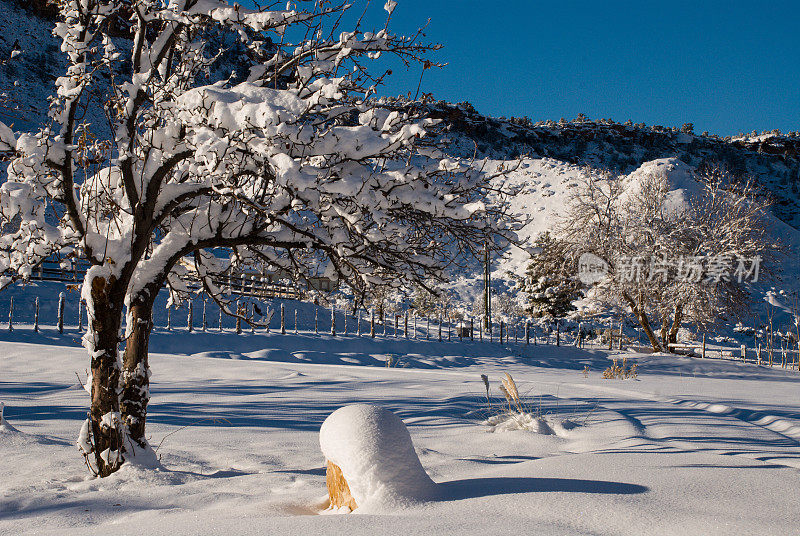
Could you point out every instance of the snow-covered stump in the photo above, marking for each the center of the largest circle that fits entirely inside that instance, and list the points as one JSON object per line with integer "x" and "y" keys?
{"x": 371, "y": 462}
{"x": 61, "y": 312}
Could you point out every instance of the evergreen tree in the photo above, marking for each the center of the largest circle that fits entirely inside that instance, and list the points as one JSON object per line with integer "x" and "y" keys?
{"x": 549, "y": 286}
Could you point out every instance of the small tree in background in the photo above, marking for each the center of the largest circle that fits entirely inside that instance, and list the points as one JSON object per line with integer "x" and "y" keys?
{"x": 549, "y": 286}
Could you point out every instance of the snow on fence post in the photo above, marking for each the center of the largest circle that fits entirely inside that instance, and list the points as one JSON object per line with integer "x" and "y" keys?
{"x": 80, "y": 315}
{"x": 238, "y": 318}
{"x": 703, "y": 354}
{"x": 372, "y": 324}
{"x": 205, "y": 323}
{"x": 190, "y": 316}
{"x": 744, "y": 353}
{"x": 61, "y": 312}
{"x": 36, "y": 312}
{"x": 333, "y": 321}
{"x": 11, "y": 315}
{"x": 283, "y": 320}
{"x": 405, "y": 328}
{"x": 169, "y": 318}
{"x": 344, "y": 326}
{"x": 220, "y": 318}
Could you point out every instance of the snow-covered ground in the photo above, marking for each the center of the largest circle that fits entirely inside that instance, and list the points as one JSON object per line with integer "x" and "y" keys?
{"x": 690, "y": 447}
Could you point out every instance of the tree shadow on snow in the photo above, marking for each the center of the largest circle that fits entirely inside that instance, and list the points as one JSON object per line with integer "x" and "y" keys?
{"x": 472, "y": 488}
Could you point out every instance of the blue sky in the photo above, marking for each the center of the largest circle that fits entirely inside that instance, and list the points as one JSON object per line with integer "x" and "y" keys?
{"x": 724, "y": 66}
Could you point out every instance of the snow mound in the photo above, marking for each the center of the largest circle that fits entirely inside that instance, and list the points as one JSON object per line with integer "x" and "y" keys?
{"x": 4, "y": 426}
{"x": 512, "y": 421}
{"x": 373, "y": 448}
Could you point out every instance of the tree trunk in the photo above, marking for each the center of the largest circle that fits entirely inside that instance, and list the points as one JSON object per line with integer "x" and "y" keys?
{"x": 104, "y": 416}
{"x": 676, "y": 324}
{"x": 136, "y": 371}
{"x": 638, "y": 310}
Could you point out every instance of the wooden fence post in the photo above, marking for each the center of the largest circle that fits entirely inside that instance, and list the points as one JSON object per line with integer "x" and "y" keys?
{"x": 61, "y": 312}
{"x": 372, "y": 323}
{"x": 283, "y": 320}
{"x": 558, "y": 333}
{"x": 744, "y": 353}
{"x": 238, "y": 318}
{"x": 405, "y": 326}
{"x": 527, "y": 333}
{"x": 190, "y": 316}
{"x": 358, "y": 323}
{"x": 11, "y": 315}
{"x": 220, "y": 318}
{"x": 703, "y": 351}
{"x": 345, "y": 321}
{"x": 428, "y": 328}
{"x": 449, "y": 329}
{"x": 36, "y": 313}
{"x": 205, "y": 323}
{"x": 169, "y": 318}
{"x": 440, "y": 328}
{"x": 80, "y": 314}
{"x": 295, "y": 321}
{"x": 395, "y": 324}
{"x": 333, "y": 321}
{"x": 480, "y": 331}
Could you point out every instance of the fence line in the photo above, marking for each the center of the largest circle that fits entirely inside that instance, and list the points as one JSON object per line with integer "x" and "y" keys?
{"x": 518, "y": 332}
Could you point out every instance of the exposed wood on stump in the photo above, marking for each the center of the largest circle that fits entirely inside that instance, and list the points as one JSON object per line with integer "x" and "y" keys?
{"x": 338, "y": 490}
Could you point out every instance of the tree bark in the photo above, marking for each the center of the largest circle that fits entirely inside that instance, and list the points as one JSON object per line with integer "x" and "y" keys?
{"x": 136, "y": 371}
{"x": 638, "y": 310}
{"x": 676, "y": 323}
{"x": 104, "y": 414}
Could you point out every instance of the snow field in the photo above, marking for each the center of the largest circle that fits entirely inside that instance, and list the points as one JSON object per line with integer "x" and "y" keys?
{"x": 238, "y": 442}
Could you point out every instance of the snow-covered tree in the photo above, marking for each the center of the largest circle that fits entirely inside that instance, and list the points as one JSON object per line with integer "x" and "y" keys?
{"x": 550, "y": 284}
{"x": 672, "y": 254}
{"x": 294, "y": 165}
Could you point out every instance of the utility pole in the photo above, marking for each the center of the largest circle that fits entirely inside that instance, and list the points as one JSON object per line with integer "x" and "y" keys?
{"x": 487, "y": 288}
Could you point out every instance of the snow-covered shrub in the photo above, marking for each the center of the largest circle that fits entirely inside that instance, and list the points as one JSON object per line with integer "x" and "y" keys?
{"x": 372, "y": 449}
